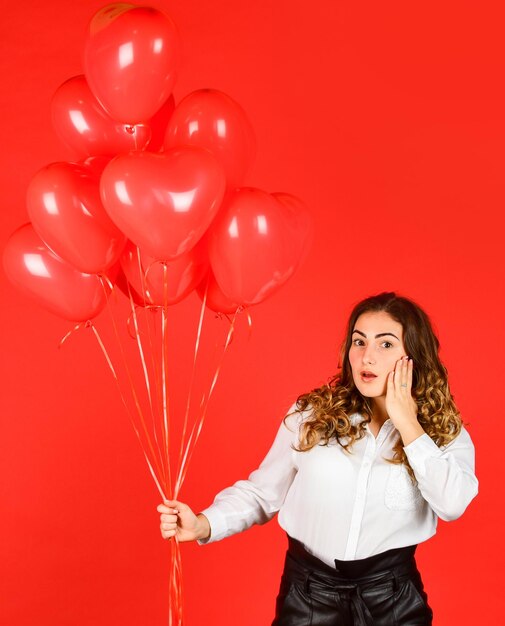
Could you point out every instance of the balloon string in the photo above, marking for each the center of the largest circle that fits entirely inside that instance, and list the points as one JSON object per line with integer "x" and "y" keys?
{"x": 101, "y": 344}
{"x": 151, "y": 265}
{"x": 107, "y": 280}
{"x": 175, "y": 585}
{"x": 134, "y": 394}
{"x": 192, "y": 380}
{"x": 171, "y": 608}
{"x": 179, "y": 586}
{"x": 129, "y": 325}
{"x": 73, "y": 330}
{"x": 175, "y": 580}
{"x": 164, "y": 368}
{"x": 147, "y": 309}
{"x": 249, "y": 324}
{"x": 89, "y": 324}
{"x": 134, "y": 133}
{"x": 145, "y": 371}
{"x": 204, "y": 404}
{"x": 153, "y": 473}
{"x": 137, "y": 402}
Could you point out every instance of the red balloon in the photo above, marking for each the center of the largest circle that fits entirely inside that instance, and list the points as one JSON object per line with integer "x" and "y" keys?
{"x": 252, "y": 249}
{"x": 211, "y": 119}
{"x": 84, "y": 126}
{"x": 216, "y": 300}
{"x": 163, "y": 202}
{"x": 64, "y": 205}
{"x": 54, "y": 284}
{"x": 148, "y": 280}
{"x": 130, "y": 60}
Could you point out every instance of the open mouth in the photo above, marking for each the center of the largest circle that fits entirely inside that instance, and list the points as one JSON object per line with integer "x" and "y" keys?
{"x": 367, "y": 376}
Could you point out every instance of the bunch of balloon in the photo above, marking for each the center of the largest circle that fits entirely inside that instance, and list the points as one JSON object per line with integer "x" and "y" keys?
{"x": 153, "y": 206}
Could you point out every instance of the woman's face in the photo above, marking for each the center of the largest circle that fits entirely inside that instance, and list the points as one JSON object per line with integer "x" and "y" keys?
{"x": 377, "y": 343}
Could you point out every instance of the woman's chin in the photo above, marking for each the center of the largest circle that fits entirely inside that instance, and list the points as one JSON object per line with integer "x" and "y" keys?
{"x": 369, "y": 394}
{"x": 369, "y": 390}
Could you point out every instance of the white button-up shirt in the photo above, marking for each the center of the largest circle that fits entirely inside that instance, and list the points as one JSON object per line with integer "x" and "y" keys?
{"x": 350, "y": 506}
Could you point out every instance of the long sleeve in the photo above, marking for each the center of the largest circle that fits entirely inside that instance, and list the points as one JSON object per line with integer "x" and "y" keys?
{"x": 446, "y": 475}
{"x": 257, "y": 499}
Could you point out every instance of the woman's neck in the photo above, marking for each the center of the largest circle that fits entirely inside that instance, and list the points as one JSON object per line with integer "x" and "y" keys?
{"x": 379, "y": 413}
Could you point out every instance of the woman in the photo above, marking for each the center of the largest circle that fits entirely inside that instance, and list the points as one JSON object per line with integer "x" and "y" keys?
{"x": 360, "y": 471}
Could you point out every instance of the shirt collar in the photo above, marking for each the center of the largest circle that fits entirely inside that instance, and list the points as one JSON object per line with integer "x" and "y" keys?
{"x": 357, "y": 418}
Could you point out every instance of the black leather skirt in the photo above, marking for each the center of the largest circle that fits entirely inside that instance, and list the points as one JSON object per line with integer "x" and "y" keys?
{"x": 382, "y": 590}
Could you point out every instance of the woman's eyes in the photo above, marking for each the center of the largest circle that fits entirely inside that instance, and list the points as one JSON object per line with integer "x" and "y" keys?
{"x": 384, "y": 344}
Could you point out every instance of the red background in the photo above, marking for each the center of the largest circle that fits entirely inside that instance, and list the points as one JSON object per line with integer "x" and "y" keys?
{"x": 387, "y": 118}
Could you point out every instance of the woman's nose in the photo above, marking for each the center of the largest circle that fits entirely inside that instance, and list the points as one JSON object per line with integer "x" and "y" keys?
{"x": 368, "y": 356}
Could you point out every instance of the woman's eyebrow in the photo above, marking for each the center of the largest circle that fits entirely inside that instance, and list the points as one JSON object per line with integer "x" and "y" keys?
{"x": 376, "y": 336}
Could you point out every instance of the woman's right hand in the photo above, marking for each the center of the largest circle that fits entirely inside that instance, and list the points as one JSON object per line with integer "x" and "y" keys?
{"x": 177, "y": 519}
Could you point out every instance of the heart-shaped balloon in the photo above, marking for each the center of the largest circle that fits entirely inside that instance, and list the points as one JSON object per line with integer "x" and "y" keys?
{"x": 64, "y": 204}
{"x": 130, "y": 60}
{"x": 163, "y": 202}
{"x": 54, "y": 284}
{"x": 83, "y": 124}
{"x": 210, "y": 119}
{"x": 155, "y": 284}
{"x": 252, "y": 247}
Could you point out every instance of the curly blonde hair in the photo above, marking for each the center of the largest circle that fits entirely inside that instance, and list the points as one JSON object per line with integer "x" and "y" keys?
{"x": 332, "y": 404}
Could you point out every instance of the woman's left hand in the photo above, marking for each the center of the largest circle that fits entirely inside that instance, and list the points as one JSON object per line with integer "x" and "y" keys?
{"x": 400, "y": 404}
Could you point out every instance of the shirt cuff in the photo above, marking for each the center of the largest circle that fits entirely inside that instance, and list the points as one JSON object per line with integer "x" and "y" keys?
{"x": 421, "y": 449}
{"x": 218, "y": 525}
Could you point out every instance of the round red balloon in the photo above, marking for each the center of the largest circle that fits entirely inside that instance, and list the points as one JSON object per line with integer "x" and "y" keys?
{"x": 211, "y": 119}
{"x": 46, "y": 278}
{"x": 153, "y": 284}
{"x": 252, "y": 247}
{"x": 64, "y": 204}
{"x": 130, "y": 60}
{"x": 163, "y": 202}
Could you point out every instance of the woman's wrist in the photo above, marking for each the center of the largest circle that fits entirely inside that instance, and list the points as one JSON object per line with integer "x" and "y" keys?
{"x": 203, "y": 527}
{"x": 410, "y": 431}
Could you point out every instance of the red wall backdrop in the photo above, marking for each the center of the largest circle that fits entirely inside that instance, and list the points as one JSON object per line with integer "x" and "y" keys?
{"x": 387, "y": 118}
